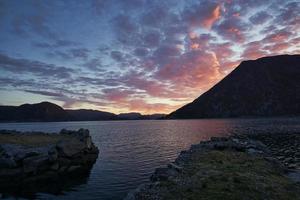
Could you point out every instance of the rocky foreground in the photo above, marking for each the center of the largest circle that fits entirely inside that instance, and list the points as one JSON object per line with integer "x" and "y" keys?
{"x": 242, "y": 167}
{"x": 35, "y": 158}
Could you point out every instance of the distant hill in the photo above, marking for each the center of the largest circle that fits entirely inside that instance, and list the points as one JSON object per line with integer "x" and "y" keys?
{"x": 139, "y": 116}
{"x": 46, "y": 111}
{"x": 268, "y": 87}
{"x": 90, "y": 115}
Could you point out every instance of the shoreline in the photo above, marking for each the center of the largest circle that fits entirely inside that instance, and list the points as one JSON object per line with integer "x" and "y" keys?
{"x": 250, "y": 166}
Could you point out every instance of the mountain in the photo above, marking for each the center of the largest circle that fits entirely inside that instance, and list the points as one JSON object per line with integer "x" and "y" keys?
{"x": 46, "y": 111}
{"x": 90, "y": 115}
{"x": 130, "y": 116}
{"x": 139, "y": 116}
{"x": 266, "y": 87}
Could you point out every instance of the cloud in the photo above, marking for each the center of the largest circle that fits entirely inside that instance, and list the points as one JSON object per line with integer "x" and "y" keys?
{"x": 18, "y": 65}
{"x": 140, "y": 105}
{"x": 232, "y": 29}
{"x": 152, "y": 38}
{"x": 117, "y": 56}
{"x": 260, "y": 17}
{"x": 196, "y": 69}
{"x": 24, "y": 25}
{"x": 203, "y": 14}
{"x": 45, "y": 93}
{"x": 278, "y": 36}
{"x": 254, "y": 50}
{"x": 79, "y": 53}
{"x": 57, "y": 44}
{"x": 141, "y": 52}
{"x": 94, "y": 64}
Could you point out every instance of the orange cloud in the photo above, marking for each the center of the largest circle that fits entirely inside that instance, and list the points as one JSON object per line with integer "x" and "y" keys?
{"x": 139, "y": 105}
{"x": 204, "y": 15}
{"x": 212, "y": 18}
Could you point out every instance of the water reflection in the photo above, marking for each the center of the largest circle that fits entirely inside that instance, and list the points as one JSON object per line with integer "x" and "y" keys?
{"x": 56, "y": 185}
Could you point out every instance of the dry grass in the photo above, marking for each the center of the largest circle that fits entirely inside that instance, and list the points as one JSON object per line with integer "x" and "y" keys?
{"x": 34, "y": 140}
{"x": 227, "y": 175}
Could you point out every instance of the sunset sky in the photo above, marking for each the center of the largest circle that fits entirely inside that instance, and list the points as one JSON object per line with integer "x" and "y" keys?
{"x": 148, "y": 56}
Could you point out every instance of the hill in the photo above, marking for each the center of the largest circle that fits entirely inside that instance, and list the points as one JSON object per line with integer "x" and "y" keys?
{"x": 269, "y": 87}
{"x": 46, "y": 111}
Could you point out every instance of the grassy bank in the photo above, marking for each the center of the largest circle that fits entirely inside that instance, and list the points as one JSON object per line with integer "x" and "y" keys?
{"x": 226, "y": 169}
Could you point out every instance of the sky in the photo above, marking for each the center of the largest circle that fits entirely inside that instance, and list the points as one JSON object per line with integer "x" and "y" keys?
{"x": 148, "y": 56}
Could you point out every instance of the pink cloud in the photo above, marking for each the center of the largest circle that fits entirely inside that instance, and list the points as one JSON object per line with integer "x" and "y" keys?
{"x": 140, "y": 105}
{"x": 204, "y": 15}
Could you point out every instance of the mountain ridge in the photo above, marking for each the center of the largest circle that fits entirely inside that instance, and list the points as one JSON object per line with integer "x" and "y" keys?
{"x": 47, "y": 111}
{"x": 251, "y": 90}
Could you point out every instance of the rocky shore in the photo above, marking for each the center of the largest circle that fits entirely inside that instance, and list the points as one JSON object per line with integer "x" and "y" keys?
{"x": 254, "y": 166}
{"x": 35, "y": 158}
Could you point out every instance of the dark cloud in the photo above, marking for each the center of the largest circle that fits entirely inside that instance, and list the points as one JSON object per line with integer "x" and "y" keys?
{"x": 73, "y": 53}
{"x": 117, "y": 56}
{"x": 93, "y": 64}
{"x": 45, "y": 93}
{"x": 124, "y": 24}
{"x": 289, "y": 14}
{"x": 260, "y": 17}
{"x": 22, "y": 25}
{"x": 18, "y": 65}
{"x": 57, "y": 44}
{"x": 152, "y": 39}
{"x": 79, "y": 53}
{"x": 141, "y": 52}
{"x": 154, "y": 17}
{"x": 232, "y": 29}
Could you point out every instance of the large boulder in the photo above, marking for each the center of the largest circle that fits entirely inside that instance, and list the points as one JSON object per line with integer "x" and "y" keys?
{"x": 20, "y": 163}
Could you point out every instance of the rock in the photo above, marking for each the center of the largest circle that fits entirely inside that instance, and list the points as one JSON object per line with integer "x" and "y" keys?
{"x": 64, "y": 161}
{"x": 52, "y": 154}
{"x": 54, "y": 166}
{"x": 89, "y": 142}
{"x": 218, "y": 139}
{"x": 7, "y": 162}
{"x": 34, "y": 163}
{"x": 70, "y": 147}
{"x": 280, "y": 157}
{"x": 176, "y": 167}
{"x": 288, "y": 160}
{"x": 21, "y": 163}
{"x": 74, "y": 168}
{"x": 292, "y": 166}
{"x": 160, "y": 174}
{"x": 7, "y": 172}
{"x": 254, "y": 151}
{"x": 63, "y": 169}
{"x": 83, "y": 133}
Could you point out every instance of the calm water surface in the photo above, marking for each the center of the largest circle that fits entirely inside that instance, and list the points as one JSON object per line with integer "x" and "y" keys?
{"x": 131, "y": 150}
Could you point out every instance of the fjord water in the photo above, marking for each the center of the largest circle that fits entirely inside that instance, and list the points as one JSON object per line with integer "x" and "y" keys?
{"x": 131, "y": 150}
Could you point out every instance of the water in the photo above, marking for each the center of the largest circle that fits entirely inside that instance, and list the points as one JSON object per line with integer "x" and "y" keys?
{"x": 131, "y": 150}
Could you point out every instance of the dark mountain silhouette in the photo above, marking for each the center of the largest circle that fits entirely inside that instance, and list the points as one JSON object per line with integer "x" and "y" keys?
{"x": 46, "y": 111}
{"x": 268, "y": 87}
{"x": 139, "y": 116}
{"x": 43, "y": 111}
{"x": 131, "y": 116}
{"x": 90, "y": 115}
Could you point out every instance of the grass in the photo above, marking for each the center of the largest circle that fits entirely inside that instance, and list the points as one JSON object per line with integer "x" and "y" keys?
{"x": 32, "y": 140}
{"x": 229, "y": 175}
